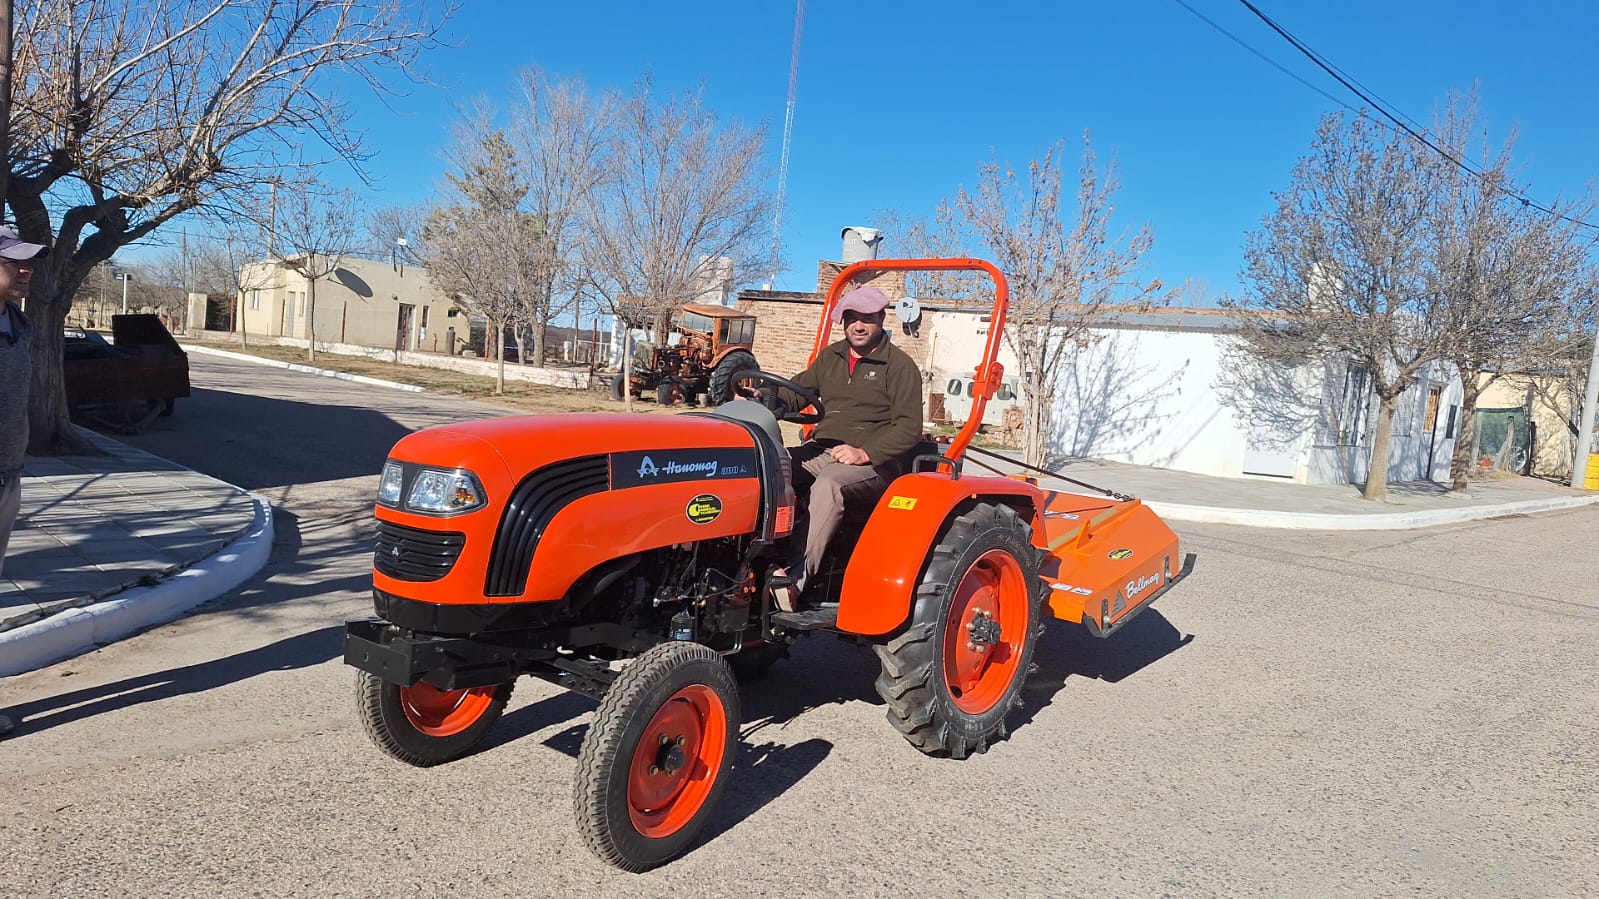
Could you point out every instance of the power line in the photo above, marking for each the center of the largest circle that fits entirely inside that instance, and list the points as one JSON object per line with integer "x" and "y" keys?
{"x": 1381, "y": 107}
{"x": 1364, "y": 93}
{"x": 1263, "y": 57}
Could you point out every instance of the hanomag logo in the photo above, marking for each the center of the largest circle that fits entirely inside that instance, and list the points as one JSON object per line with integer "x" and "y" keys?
{"x": 1119, "y": 554}
{"x": 704, "y": 509}
{"x": 648, "y": 468}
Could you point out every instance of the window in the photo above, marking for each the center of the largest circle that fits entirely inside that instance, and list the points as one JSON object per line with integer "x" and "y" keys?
{"x": 255, "y": 299}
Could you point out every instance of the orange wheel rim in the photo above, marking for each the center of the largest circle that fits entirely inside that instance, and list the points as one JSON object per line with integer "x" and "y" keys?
{"x": 444, "y": 713}
{"x": 987, "y": 629}
{"x": 677, "y": 761}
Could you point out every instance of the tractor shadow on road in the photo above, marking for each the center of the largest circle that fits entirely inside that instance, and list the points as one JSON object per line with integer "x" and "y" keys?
{"x": 299, "y": 651}
{"x": 1067, "y": 650}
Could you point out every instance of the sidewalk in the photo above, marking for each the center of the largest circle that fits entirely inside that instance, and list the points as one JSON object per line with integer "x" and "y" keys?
{"x": 111, "y": 545}
{"x": 1280, "y": 503}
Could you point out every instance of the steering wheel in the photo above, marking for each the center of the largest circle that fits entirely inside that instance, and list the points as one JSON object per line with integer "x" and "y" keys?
{"x": 775, "y": 401}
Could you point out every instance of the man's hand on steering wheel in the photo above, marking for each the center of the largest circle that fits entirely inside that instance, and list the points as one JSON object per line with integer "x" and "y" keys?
{"x": 774, "y": 400}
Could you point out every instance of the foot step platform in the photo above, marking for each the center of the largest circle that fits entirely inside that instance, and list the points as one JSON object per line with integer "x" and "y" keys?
{"x": 807, "y": 620}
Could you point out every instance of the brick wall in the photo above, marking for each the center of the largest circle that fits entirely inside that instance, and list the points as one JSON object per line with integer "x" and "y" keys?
{"x": 785, "y": 329}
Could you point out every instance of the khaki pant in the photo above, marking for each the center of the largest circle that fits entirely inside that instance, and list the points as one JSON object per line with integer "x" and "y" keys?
{"x": 833, "y": 486}
{"x": 10, "y": 504}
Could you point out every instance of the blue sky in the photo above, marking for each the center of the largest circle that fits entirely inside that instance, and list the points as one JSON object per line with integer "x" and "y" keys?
{"x": 899, "y": 101}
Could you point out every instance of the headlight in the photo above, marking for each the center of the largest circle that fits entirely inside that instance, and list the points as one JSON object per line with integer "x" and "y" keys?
{"x": 444, "y": 492}
{"x": 389, "y": 484}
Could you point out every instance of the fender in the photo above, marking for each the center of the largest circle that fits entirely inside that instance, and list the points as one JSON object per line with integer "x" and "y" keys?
{"x": 876, "y": 597}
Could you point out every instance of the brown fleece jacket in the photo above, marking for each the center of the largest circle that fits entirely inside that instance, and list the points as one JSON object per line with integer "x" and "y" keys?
{"x": 877, "y": 408}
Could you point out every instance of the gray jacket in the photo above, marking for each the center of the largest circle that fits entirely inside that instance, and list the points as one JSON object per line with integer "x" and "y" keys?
{"x": 15, "y": 362}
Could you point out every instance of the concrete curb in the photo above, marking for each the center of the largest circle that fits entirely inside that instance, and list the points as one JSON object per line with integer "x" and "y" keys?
{"x": 1393, "y": 521}
{"x": 76, "y": 631}
{"x": 291, "y": 366}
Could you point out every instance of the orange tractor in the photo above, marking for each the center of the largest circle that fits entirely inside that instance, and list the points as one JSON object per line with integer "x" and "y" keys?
{"x": 631, "y": 561}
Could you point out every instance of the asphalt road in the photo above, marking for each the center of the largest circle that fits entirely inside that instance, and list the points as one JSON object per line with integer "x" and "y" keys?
{"x": 1309, "y": 714}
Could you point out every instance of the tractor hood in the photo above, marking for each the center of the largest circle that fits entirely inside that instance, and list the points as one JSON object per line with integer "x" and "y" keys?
{"x": 676, "y": 445}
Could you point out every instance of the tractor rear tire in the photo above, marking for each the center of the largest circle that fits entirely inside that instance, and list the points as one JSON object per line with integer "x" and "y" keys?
{"x": 618, "y": 384}
{"x": 657, "y": 756}
{"x": 955, "y": 673}
{"x": 424, "y": 726}
{"x": 721, "y": 387}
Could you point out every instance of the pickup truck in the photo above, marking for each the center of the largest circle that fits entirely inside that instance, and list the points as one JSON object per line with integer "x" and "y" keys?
{"x": 128, "y": 383}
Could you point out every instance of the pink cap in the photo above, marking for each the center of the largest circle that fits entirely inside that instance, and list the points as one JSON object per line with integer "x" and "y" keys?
{"x": 866, "y": 300}
{"x": 12, "y": 246}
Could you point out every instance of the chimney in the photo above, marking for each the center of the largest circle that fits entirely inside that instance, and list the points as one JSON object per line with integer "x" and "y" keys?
{"x": 860, "y": 243}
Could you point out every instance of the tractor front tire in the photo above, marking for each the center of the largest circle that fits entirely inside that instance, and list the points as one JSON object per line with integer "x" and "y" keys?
{"x": 424, "y": 726}
{"x": 618, "y": 384}
{"x": 657, "y": 756}
{"x": 664, "y": 394}
{"x": 721, "y": 386}
{"x": 955, "y": 673}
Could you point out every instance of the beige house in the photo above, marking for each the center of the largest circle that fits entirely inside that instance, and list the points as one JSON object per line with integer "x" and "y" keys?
{"x": 364, "y": 302}
{"x": 1543, "y": 402}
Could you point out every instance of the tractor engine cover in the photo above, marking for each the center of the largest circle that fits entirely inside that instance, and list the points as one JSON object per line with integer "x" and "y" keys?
{"x": 563, "y": 494}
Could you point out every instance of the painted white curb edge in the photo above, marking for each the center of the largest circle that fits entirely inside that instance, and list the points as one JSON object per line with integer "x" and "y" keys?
{"x": 1394, "y": 521}
{"x": 76, "y": 631}
{"x": 291, "y": 366}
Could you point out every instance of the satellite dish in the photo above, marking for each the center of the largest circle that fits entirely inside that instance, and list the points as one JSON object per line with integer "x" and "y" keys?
{"x": 909, "y": 313}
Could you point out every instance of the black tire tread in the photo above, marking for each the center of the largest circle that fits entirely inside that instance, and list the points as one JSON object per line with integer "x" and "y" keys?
{"x": 425, "y": 751}
{"x": 721, "y": 383}
{"x": 609, "y": 731}
{"x": 911, "y": 671}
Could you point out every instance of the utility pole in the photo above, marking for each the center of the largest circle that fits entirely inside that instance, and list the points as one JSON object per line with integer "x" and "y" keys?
{"x": 1590, "y": 405}
{"x": 124, "y": 277}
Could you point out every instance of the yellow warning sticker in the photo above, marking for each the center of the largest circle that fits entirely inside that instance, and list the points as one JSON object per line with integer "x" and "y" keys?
{"x": 902, "y": 502}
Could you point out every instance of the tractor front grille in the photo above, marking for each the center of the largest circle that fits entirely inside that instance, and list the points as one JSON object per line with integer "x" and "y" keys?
{"x": 412, "y": 554}
{"x": 533, "y": 504}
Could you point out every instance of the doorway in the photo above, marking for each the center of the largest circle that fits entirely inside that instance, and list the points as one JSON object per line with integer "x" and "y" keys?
{"x": 402, "y": 333}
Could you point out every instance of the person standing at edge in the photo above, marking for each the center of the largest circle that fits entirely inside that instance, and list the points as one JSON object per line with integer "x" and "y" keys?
{"x": 16, "y": 345}
{"x": 873, "y": 395}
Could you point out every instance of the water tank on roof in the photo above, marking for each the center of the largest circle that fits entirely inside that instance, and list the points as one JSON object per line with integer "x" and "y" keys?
{"x": 860, "y": 243}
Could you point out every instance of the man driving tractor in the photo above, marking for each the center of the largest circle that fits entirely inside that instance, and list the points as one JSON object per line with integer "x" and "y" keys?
{"x": 873, "y": 395}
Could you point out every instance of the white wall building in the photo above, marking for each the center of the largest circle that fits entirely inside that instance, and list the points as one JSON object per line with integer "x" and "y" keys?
{"x": 1171, "y": 389}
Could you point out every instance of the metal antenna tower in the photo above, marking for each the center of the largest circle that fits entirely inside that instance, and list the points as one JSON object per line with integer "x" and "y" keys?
{"x": 788, "y": 135}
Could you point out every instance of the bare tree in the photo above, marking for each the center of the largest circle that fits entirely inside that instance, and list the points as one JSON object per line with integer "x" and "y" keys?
{"x": 316, "y": 227}
{"x": 1337, "y": 271}
{"x": 1507, "y": 276}
{"x": 127, "y": 113}
{"x": 1064, "y": 264}
{"x": 687, "y": 191}
{"x": 560, "y": 134}
{"x": 225, "y": 264}
{"x": 393, "y": 232}
{"x": 476, "y": 242}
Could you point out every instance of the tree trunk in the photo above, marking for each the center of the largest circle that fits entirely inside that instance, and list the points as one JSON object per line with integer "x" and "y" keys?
{"x": 499, "y": 369}
{"x": 1036, "y": 401}
{"x": 1461, "y": 461}
{"x": 310, "y": 320}
{"x": 1377, "y": 475}
{"x": 627, "y": 368}
{"x": 539, "y": 338}
{"x": 49, "y": 425}
{"x": 239, "y": 321}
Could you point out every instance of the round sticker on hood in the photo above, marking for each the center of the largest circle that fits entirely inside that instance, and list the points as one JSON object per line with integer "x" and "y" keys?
{"x": 704, "y": 509}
